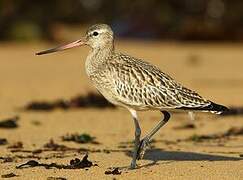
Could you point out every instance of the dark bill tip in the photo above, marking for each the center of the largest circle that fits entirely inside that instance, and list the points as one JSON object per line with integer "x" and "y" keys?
{"x": 46, "y": 51}
{"x": 63, "y": 47}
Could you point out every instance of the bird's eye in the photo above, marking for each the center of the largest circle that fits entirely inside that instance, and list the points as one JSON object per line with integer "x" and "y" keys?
{"x": 95, "y": 33}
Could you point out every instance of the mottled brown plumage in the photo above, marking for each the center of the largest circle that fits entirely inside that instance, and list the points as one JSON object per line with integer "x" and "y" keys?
{"x": 142, "y": 86}
{"x": 134, "y": 84}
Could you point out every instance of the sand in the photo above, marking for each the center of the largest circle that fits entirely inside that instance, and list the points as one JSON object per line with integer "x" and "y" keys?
{"x": 214, "y": 70}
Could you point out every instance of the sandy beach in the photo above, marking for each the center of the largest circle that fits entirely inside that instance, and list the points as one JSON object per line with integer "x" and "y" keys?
{"x": 211, "y": 147}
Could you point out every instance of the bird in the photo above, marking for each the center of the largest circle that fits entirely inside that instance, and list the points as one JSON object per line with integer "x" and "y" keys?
{"x": 134, "y": 84}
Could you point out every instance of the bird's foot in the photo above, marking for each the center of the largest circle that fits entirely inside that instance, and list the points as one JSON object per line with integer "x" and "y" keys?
{"x": 133, "y": 165}
{"x": 143, "y": 146}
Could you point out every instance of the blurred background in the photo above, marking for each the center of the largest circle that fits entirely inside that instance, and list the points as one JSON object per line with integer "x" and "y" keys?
{"x": 184, "y": 20}
{"x": 188, "y": 39}
{"x": 44, "y": 98}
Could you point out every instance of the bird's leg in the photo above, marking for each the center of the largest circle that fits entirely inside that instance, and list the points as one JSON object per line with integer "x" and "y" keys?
{"x": 144, "y": 143}
{"x": 191, "y": 116}
{"x": 137, "y": 138}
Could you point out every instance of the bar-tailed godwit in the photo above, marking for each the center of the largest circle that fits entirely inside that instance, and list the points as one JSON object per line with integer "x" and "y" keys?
{"x": 134, "y": 84}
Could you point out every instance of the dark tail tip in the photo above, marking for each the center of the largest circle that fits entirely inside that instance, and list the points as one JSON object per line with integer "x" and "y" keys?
{"x": 217, "y": 108}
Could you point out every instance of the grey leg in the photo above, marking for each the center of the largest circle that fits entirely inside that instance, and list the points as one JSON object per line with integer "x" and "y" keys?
{"x": 137, "y": 138}
{"x": 145, "y": 141}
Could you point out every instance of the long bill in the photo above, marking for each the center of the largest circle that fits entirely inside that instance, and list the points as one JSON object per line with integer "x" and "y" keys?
{"x": 73, "y": 44}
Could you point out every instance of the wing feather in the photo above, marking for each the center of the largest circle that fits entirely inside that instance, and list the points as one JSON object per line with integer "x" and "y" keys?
{"x": 138, "y": 83}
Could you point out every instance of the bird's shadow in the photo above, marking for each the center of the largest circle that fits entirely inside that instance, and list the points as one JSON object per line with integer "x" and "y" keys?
{"x": 156, "y": 155}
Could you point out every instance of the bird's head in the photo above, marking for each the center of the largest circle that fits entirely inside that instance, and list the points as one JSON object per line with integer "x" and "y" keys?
{"x": 97, "y": 36}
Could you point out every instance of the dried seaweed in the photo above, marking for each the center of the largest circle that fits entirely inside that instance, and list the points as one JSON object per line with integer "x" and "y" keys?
{"x": 17, "y": 145}
{"x": 51, "y": 145}
{"x": 80, "y": 138}
{"x": 59, "y": 149}
{"x": 7, "y": 159}
{"x": 90, "y": 100}
{"x": 9, "y": 123}
{"x": 115, "y": 171}
{"x": 73, "y": 164}
{"x": 10, "y": 175}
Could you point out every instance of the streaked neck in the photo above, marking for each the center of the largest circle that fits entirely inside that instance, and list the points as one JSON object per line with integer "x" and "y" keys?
{"x": 97, "y": 57}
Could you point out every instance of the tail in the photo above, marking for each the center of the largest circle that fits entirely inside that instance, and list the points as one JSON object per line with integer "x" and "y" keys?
{"x": 212, "y": 107}
{"x": 216, "y": 108}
